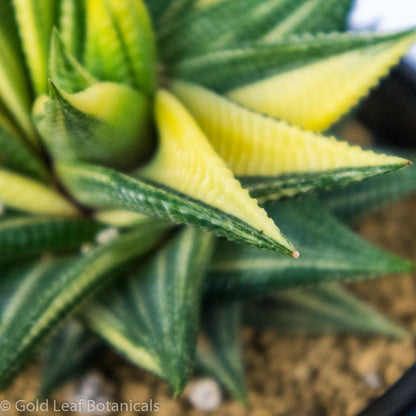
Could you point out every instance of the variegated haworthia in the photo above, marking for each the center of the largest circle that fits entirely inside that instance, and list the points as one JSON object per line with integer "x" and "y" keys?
{"x": 137, "y": 136}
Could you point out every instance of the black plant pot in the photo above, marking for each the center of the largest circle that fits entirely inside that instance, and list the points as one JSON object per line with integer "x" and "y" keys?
{"x": 390, "y": 113}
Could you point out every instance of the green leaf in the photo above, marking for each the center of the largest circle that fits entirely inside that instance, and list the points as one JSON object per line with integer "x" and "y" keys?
{"x": 318, "y": 310}
{"x": 316, "y": 16}
{"x": 231, "y": 22}
{"x": 28, "y": 195}
{"x": 22, "y": 237}
{"x": 313, "y": 74}
{"x": 371, "y": 195}
{"x": 152, "y": 316}
{"x": 72, "y": 350}
{"x": 171, "y": 11}
{"x": 65, "y": 70}
{"x": 72, "y": 26}
{"x": 17, "y": 155}
{"x": 53, "y": 288}
{"x": 329, "y": 252}
{"x": 106, "y": 123}
{"x": 219, "y": 355}
{"x": 36, "y": 19}
{"x": 103, "y": 188}
{"x": 120, "y": 45}
{"x": 14, "y": 84}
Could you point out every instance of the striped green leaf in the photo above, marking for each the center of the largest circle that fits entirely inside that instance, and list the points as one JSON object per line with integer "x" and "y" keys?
{"x": 318, "y": 310}
{"x": 72, "y": 26}
{"x": 170, "y": 11}
{"x": 219, "y": 354}
{"x": 230, "y": 22}
{"x": 319, "y": 78}
{"x": 103, "y": 188}
{"x": 65, "y": 70}
{"x": 15, "y": 90}
{"x": 69, "y": 353}
{"x": 329, "y": 252}
{"x": 152, "y": 316}
{"x": 120, "y": 45}
{"x": 36, "y": 19}
{"x": 17, "y": 155}
{"x": 28, "y": 195}
{"x": 371, "y": 195}
{"x": 53, "y": 288}
{"x": 22, "y": 237}
{"x": 266, "y": 189}
{"x": 106, "y": 123}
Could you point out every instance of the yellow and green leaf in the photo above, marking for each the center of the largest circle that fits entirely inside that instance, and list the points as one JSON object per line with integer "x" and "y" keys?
{"x": 106, "y": 123}
{"x": 15, "y": 91}
{"x": 152, "y": 317}
{"x": 103, "y": 188}
{"x": 54, "y": 288}
{"x": 119, "y": 43}
{"x": 310, "y": 81}
{"x": 26, "y": 194}
{"x": 72, "y": 26}
{"x": 36, "y": 19}
{"x": 273, "y": 158}
{"x": 186, "y": 161}
{"x": 65, "y": 70}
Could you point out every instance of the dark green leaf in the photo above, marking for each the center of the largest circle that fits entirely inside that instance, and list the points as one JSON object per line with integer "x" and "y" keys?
{"x": 372, "y": 194}
{"x": 72, "y": 350}
{"x": 53, "y": 289}
{"x": 23, "y": 237}
{"x": 318, "y": 310}
{"x": 219, "y": 355}
{"x": 329, "y": 252}
{"x": 152, "y": 317}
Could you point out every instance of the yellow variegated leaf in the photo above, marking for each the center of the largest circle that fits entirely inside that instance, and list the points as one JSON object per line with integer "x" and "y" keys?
{"x": 186, "y": 162}
{"x": 36, "y": 19}
{"x": 103, "y": 55}
{"x": 316, "y": 95}
{"x": 106, "y": 123}
{"x": 72, "y": 25}
{"x": 120, "y": 44}
{"x": 28, "y": 195}
{"x": 14, "y": 87}
{"x": 135, "y": 30}
{"x": 257, "y": 145}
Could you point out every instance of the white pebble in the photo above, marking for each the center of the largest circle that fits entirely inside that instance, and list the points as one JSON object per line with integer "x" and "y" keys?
{"x": 373, "y": 380}
{"x": 205, "y": 395}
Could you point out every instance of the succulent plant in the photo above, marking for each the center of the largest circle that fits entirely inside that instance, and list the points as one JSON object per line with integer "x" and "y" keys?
{"x": 150, "y": 150}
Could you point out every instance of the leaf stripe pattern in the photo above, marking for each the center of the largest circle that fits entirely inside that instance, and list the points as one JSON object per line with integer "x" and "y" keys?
{"x": 22, "y": 237}
{"x": 152, "y": 317}
{"x": 232, "y": 22}
{"x": 319, "y": 310}
{"x": 59, "y": 288}
{"x": 104, "y": 188}
{"x": 330, "y": 252}
{"x": 219, "y": 355}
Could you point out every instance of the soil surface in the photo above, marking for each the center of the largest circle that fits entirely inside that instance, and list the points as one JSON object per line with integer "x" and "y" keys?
{"x": 287, "y": 375}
